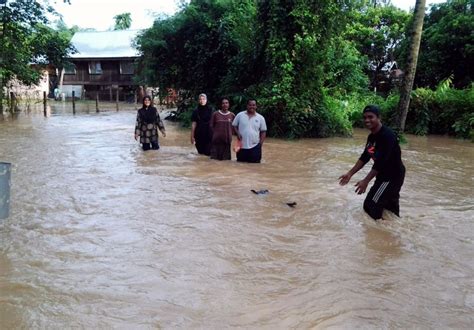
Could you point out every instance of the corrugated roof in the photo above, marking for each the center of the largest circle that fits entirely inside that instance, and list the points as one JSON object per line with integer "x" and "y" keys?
{"x": 108, "y": 44}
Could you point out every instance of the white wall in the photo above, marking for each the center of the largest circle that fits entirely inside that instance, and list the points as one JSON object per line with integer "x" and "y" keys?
{"x": 67, "y": 89}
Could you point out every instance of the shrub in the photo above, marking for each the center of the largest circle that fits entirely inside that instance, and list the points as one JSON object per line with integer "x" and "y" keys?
{"x": 355, "y": 103}
{"x": 442, "y": 111}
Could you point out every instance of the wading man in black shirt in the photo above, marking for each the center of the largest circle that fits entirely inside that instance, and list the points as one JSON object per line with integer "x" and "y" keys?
{"x": 382, "y": 146}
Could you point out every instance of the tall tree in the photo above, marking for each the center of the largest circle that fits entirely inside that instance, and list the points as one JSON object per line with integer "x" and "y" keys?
{"x": 302, "y": 54}
{"x": 415, "y": 38}
{"x": 378, "y": 32}
{"x": 26, "y": 40}
{"x": 192, "y": 49}
{"x": 447, "y": 45}
{"x": 57, "y": 45}
{"x": 122, "y": 21}
{"x": 18, "y": 19}
{"x": 288, "y": 53}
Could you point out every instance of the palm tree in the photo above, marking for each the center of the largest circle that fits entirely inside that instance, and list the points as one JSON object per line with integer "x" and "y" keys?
{"x": 410, "y": 69}
{"x": 122, "y": 21}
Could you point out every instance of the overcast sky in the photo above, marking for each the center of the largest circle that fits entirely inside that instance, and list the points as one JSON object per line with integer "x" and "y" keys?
{"x": 98, "y": 14}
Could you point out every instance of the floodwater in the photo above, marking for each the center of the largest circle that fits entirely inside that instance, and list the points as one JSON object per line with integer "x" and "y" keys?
{"x": 104, "y": 235}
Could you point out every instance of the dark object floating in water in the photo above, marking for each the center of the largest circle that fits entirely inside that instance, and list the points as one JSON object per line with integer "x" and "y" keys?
{"x": 260, "y": 192}
{"x": 292, "y": 204}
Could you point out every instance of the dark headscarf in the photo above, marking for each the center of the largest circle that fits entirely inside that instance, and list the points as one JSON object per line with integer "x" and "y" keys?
{"x": 148, "y": 114}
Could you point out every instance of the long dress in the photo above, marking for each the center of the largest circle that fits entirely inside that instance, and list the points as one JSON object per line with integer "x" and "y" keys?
{"x": 202, "y": 134}
{"x": 221, "y": 125}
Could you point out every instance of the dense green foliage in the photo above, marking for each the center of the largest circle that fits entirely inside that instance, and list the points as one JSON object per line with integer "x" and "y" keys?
{"x": 26, "y": 39}
{"x": 445, "y": 110}
{"x": 19, "y": 19}
{"x": 378, "y": 32}
{"x": 52, "y": 45}
{"x": 442, "y": 111}
{"x": 192, "y": 50}
{"x": 305, "y": 61}
{"x": 447, "y": 46}
{"x": 289, "y": 54}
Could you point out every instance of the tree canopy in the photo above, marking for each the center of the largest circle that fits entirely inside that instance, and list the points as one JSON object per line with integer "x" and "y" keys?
{"x": 378, "y": 32}
{"x": 286, "y": 52}
{"x": 122, "y": 21}
{"x": 447, "y": 45}
{"x": 26, "y": 39}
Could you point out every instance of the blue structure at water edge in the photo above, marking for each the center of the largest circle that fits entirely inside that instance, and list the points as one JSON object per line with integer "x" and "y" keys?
{"x": 5, "y": 182}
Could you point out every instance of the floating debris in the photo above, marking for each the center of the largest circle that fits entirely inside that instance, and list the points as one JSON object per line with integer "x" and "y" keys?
{"x": 260, "y": 192}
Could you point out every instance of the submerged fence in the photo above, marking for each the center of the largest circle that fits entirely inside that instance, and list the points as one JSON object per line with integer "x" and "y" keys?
{"x": 96, "y": 102}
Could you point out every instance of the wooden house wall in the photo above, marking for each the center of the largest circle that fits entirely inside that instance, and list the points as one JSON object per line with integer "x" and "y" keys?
{"x": 110, "y": 74}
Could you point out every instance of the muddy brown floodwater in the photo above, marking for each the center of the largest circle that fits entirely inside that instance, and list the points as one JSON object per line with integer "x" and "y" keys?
{"x": 103, "y": 235}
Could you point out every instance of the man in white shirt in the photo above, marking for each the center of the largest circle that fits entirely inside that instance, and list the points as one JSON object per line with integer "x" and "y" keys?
{"x": 251, "y": 131}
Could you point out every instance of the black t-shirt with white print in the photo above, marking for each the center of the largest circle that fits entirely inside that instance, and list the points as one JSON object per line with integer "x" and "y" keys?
{"x": 385, "y": 151}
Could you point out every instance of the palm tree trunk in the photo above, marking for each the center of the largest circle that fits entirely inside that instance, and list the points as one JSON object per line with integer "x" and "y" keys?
{"x": 410, "y": 69}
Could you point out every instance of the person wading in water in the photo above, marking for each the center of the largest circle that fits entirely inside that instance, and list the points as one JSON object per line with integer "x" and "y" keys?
{"x": 251, "y": 130}
{"x": 147, "y": 125}
{"x": 221, "y": 127}
{"x": 201, "y": 134}
{"x": 382, "y": 146}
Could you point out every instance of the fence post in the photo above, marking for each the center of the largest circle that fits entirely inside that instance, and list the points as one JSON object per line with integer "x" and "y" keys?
{"x": 45, "y": 104}
{"x": 97, "y": 102}
{"x": 12, "y": 102}
{"x": 117, "y": 98}
{"x": 5, "y": 182}
{"x": 73, "y": 102}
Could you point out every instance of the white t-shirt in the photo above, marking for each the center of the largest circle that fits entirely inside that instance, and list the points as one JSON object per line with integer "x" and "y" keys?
{"x": 249, "y": 128}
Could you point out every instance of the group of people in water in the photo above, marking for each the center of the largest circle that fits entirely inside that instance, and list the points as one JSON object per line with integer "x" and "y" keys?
{"x": 211, "y": 133}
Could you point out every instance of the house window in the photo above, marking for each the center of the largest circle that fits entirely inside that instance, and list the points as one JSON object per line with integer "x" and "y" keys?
{"x": 95, "y": 67}
{"x": 69, "y": 68}
{"x": 127, "y": 67}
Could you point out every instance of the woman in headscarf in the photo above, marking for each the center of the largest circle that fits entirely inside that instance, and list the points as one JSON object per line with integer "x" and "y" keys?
{"x": 201, "y": 134}
{"x": 147, "y": 125}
